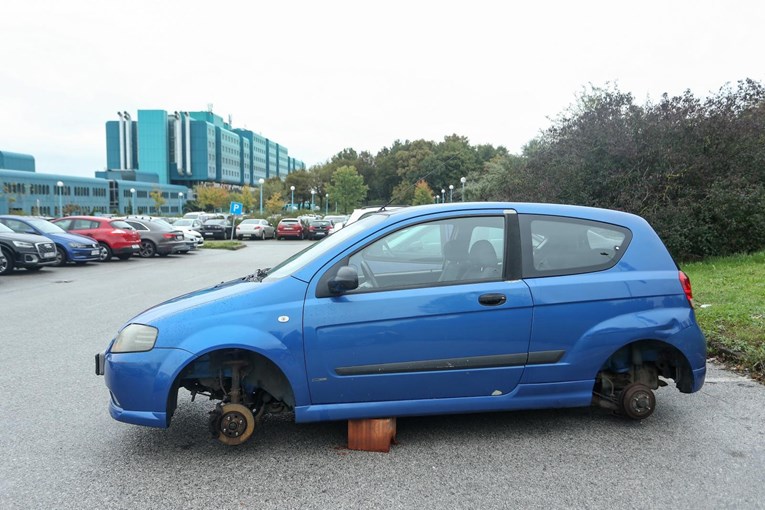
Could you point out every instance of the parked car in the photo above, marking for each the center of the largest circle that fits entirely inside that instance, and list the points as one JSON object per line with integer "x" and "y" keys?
{"x": 335, "y": 227}
{"x": 158, "y": 238}
{"x": 336, "y": 218}
{"x": 115, "y": 237}
{"x": 189, "y": 223}
{"x": 255, "y": 229}
{"x": 216, "y": 229}
{"x": 69, "y": 247}
{"x": 318, "y": 229}
{"x": 30, "y": 251}
{"x": 291, "y": 227}
{"x": 454, "y": 308}
{"x": 192, "y": 237}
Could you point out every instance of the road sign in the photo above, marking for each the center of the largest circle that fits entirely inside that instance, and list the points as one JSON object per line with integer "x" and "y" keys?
{"x": 236, "y": 208}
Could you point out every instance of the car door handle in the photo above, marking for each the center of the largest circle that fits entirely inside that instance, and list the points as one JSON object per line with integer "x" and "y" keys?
{"x": 492, "y": 299}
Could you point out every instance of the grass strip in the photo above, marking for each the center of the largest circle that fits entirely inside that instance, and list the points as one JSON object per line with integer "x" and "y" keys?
{"x": 729, "y": 293}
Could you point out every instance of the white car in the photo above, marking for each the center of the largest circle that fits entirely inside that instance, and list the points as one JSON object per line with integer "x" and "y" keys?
{"x": 255, "y": 229}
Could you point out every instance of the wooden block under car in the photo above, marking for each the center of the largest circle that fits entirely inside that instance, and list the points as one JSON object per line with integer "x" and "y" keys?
{"x": 372, "y": 435}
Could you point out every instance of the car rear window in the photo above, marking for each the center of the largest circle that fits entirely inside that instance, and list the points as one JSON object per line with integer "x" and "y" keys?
{"x": 120, "y": 224}
{"x": 555, "y": 246}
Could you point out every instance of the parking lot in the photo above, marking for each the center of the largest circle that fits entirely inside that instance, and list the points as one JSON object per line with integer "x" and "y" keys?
{"x": 61, "y": 449}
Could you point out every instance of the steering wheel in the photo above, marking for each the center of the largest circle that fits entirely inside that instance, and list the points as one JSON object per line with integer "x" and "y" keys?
{"x": 368, "y": 275}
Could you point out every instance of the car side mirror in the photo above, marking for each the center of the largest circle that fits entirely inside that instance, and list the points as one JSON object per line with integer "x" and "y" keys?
{"x": 347, "y": 278}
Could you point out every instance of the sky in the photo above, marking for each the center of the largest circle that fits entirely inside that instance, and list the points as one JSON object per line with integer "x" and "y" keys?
{"x": 321, "y": 76}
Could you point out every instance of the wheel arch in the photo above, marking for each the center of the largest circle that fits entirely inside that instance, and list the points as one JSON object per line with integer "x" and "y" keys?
{"x": 267, "y": 373}
{"x": 670, "y": 361}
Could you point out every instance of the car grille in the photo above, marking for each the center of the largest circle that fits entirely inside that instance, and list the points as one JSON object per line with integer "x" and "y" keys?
{"x": 43, "y": 248}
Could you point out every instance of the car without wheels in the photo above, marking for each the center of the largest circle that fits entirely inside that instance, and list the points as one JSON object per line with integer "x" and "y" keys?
{"x": 436, "y": 309}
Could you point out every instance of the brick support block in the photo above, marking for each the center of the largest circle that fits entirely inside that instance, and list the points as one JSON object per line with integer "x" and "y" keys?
{"x": 372, "y": 435}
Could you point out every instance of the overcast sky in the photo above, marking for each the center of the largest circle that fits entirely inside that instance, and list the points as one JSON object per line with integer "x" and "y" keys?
{"x": 320, "y": 76}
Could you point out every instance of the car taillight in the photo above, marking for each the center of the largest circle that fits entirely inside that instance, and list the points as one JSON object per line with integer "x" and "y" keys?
{"x": 168, "y": 236}
{"x": 686, "y": 284}
{"x": 312, "y": 228}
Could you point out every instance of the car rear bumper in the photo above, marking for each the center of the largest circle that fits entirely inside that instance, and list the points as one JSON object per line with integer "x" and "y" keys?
{"x": 125, "y": 249}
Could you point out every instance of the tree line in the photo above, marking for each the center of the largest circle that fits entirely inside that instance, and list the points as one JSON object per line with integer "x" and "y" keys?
{"x": 693, "y": 167}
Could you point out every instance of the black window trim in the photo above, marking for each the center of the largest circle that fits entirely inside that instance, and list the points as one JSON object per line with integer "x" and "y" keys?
{"x": 512, "y": 245}
{"x": 527, "y": 257}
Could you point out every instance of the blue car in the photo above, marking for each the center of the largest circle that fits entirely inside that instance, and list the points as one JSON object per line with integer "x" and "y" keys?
{"x": 69, "y": 247}
{"x": 450, "y": 308}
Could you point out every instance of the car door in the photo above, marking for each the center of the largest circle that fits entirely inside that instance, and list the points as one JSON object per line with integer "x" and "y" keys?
{"x": 416, "y": 331}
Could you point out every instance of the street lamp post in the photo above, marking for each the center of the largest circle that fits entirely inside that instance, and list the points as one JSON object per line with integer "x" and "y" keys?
{"x": 180, "y": 203}
{"x": 443, "y": 195}
{"x": 261, "y": 181}
{"x": 292, "y": 198}
{"x": 451, "y": 192}
{"x": 313, "y": 192}
{"x": 463, "y": 181}
{"x": 326, "y": 204}
{"x": 60, "y": 186}
{"x": 132, "y": 201}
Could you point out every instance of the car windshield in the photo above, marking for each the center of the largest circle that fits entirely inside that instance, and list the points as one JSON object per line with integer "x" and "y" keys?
{"x": 183, "y": 223}
{"x": 247, "y": 222}
{"x": 319, "y": 223}
{"x": 215, "y": 222}
{"x": 302, "y": 258}
{"x": 46, "y": 227}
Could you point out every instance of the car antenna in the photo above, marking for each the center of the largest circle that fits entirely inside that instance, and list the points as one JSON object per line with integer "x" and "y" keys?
{"x": 381, "y": 209}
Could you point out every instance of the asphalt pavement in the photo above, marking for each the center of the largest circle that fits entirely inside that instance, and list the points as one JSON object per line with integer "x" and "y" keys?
{"x": 61, "y": 449}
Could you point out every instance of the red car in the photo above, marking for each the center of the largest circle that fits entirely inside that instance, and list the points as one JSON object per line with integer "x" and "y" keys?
{"x": 291, "y": 227}
{"x": 115, "y": 237}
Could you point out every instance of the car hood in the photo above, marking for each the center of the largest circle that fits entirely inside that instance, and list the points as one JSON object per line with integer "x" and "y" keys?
{"x": 29, "y": 238}
{"x": 71, "y": 238}
{"x": 232, "y": 302}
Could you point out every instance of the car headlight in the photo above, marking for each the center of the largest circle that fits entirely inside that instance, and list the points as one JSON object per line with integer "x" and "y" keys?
{"x": 23, "y": 244}
{"x": 80, "y": 245}
{"x": 135, "y": 338}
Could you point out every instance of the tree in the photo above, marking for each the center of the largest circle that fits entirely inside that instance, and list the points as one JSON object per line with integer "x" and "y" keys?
{"x": 274, "y": 203}
{"x": 159, "y": 200}
{"x": 422, "y": 193}
{"x": 347, "y": 188}
{"x": 245, "y": 197}
{"x": 212, "y": 197}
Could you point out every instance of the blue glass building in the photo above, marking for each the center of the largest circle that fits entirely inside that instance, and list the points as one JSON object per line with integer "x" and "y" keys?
{"x": 189, "y": 148}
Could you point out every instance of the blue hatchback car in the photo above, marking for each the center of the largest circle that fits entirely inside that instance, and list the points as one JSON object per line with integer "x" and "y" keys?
{"x": 69, "y": 247}
{"x": 452, "y": 308}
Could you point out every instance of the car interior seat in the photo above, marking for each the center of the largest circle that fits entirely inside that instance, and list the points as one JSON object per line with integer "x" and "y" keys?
{"x": 482, "y": 262}
{"x": 455, "y": 262}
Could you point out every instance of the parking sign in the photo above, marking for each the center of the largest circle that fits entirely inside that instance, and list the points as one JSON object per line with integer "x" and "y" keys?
{"x": 236, "y": 208}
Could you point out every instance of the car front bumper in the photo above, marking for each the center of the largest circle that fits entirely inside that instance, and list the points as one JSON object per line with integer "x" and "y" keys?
{"x": 139, "y": 383}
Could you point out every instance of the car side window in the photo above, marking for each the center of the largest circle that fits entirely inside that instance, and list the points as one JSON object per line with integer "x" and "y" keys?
{"x": 65, "y": 224}
{"x": 137, "y": 226}
{"x": 560, "y": 246}
{"x": 443, "y": 252}
{"x": 16, "y": 226}
{"x": 83, "y": 225}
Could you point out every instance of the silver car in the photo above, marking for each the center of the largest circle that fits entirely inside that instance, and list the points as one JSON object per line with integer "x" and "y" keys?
{"x": 255, "y": 229}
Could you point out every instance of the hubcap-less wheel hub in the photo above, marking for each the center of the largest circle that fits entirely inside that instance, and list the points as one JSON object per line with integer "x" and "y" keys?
{"x": 236, "y": 424}
{"x": 638, "y": 401}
